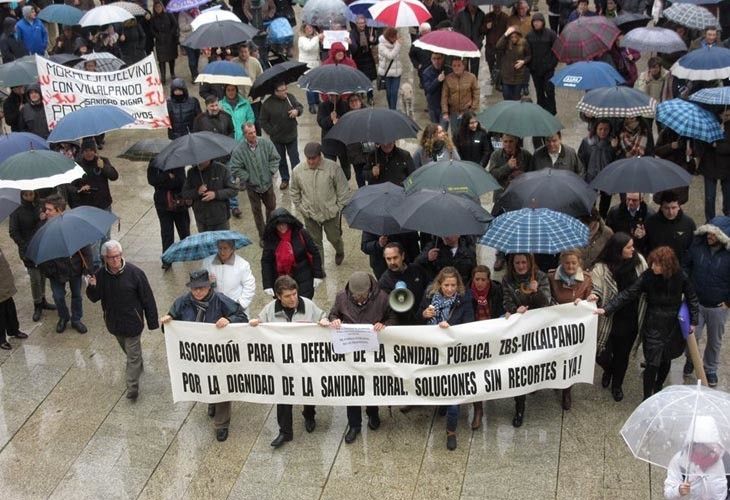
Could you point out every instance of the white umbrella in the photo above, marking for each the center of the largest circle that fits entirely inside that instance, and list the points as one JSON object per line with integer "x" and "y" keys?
{"x": 132, "y": 8}
{"x": 213, "y": 15}
{"x": 106, "y": 14}
{"x": 104, "y": 61}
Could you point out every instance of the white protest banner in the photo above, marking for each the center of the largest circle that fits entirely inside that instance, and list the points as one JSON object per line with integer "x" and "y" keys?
{"x": 553, "y": 347}
{"x": 136, "y": 89}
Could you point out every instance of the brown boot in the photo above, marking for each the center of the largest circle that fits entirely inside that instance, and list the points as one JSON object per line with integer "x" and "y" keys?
{"x": 476, "y": 422}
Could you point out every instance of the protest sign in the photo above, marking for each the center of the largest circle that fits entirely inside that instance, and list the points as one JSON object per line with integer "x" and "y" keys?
{"x": 292, "y": 363}
{"x": 351, "y": 338}
{"x": 332, "y": 36}
{"x": 137, "y": 89}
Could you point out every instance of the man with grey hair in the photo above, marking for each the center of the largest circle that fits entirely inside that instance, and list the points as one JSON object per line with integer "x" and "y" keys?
{"x": 126, "y": 297}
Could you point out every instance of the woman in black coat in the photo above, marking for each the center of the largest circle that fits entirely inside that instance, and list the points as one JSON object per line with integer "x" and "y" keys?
{"x": 362, "y": 42}
{"x": 132, "y": 42}
{"x": 665, "y": 284}
{"x": 472, "y": 141}
{"x": 165, "y": 33}
{"x": 168, "y": 187}
{"x": 289, "y": 249}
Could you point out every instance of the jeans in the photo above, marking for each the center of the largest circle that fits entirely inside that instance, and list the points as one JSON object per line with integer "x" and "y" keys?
{"x": 132, "y": 347}
{"x": 545, "y": 91}
{"x": 284, "y": 417}
{"x": 312, "y": 98}
{"x": 434, "y": 115}
{"x": 359, "y": 176}
{"x": 59, "y": 297}
{"x": 714, "y": 318}
{"x": 711, "y": 196}
{"x": 37, "y": 284}
{"x": 512, "y": 92}
{"x": 290, "y": 149}
{"x": 169, "y": 221}
{"x": 354, "y": 415}
{"x": 392, "y": 84}
{"x": 193, "y": 58}
{"x": 452, "y": 417}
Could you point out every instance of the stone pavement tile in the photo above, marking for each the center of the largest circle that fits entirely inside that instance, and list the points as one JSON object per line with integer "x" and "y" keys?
{"x": 88, "y": 481}
{"x": 373, "y": 489}
{"x": 264, "y": 491}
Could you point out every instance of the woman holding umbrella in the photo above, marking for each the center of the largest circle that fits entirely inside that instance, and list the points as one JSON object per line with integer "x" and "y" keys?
{"x": 289, "y": 249}
{"x": 635, "y": 138}
{"x": 665, "y": 286}
{"x": 435, "y": 145}
{"x": 472, "y": 141}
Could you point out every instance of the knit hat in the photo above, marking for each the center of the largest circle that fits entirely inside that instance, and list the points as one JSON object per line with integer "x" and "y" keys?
{"x": 359, "y": 283}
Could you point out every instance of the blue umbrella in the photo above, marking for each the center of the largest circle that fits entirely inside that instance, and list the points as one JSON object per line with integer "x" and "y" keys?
{"x": 689, "y": 120}
{"x": 616, "y": 102}
{"x": 224, "y": 72}
{"x": 61, "y": 14}
{"x": 69, "y": 232}
{"x": 181, "y": 5}
{"x": 587, "y": 75}
{"x": 705, "y": 63}
{"x": 9, "y": 201}
{"x": 362, "y": 8}
{"x": 719, "y": 96}
{"x": 19, "y": 142}
{"x": 535, "y": 230}
{"x": 89, "y": 121}
{"x": 202, "y": 245}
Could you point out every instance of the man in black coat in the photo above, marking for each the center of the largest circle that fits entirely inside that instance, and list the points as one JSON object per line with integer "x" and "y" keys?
{"x": 213, "y": 119}
{"x": 10, "y": 47}
{"x": 11, "y": 107}
{"x": 388, "y": 163}
{"x": 469, "y": 22}
{"x": 210, "y": 187}
{"x": 126, "y": 297}
{"x": 373, "y": 245}
{"x": 543, "y": 62}
{"x": 33, "y": 114}
{"x": 411, "y": 274}
{"x": 629, "y": 214}
{"x": 670, "y": 226}
{"x": 456, "y": 251}
{"x": 172, "y": 210}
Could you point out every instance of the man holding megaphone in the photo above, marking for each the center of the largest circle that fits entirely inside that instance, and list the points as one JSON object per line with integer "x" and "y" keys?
{"x": 404, "y": 283}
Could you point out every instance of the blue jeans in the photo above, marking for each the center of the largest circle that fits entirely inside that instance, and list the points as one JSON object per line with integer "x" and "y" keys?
{"x": 711, "y": 196}
{"x": 59, "y": 298}
{"x": 193, "y": 58}
{"x": 714, "y": 319}
{"x": 452, "y": 417}
{"x": 284, "y": 150}
{"x": 512, "y": 92}
{"x": 312, "y": 98}
{"x": 392, "y": 84}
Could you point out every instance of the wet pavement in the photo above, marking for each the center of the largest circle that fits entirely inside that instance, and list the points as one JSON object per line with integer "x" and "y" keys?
{"x": 67, "y": 430}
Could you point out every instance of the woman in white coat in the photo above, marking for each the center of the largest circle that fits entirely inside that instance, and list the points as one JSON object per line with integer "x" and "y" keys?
{"x": 389, "y": 66}
{"x": 309, "y": 50}
{"x": 232, "y": 274}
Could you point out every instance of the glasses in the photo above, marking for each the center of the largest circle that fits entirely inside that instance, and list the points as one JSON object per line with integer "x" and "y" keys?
{"x": 113, "y": 257}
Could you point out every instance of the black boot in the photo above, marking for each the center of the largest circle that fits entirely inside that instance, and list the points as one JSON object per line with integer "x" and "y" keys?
{"x": 163, "y": 73}
{"x": 37, "y": 311}
{"x": 47, "y": 305}
{"x": 519, "y": 412}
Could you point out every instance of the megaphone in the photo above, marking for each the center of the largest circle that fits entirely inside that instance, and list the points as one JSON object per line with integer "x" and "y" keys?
{"x": 401, "y": 298}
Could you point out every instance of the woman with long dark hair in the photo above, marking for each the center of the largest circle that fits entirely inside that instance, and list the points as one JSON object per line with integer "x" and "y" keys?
{"x": 472, "y": 141}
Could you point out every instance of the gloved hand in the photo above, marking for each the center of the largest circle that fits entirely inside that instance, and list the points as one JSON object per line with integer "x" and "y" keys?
{"x": 269, "y": 291}
{"x": 317, "y": 282}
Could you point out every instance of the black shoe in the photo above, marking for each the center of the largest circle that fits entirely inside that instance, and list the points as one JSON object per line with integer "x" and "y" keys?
{"x": 712, "y": 379}
{"x": 351, "y": 435}
{"x": 313, "y": 109}
{"x": 518, "y": 418}
{"x": 339, "y": 258}
{"x": 617, "y": 393}
{"x": 689, "y": 368}
{"x": 6, "y": 346}
{"x": 211, "y": 410}
{"x": 165, "y": 266}
{"x": 18, "y": 334}
{"x": 280, "y": 439}
{"x": 374, "y": 422}
{"x": 221, "y": 434}
{"x": 606, "y": 379}
{"x": 658, "y": 388}
{"x": 132, "y": 394}
{"x": 48, "y": 306}
{"x": 450, "y": 441}
{"x": 310, "y": 424}
{"x": 79, "y": 327}
{"x": 37, "y": 311}
{"x": 61, "y": 325}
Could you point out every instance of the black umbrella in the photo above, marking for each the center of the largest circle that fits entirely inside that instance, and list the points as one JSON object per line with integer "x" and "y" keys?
{"x": 335, "y": 79}
{"x": 193, "y": 149}
{"x": 145, "y": 149}
{"x": 65, "y": 59}
{"x": 266, "y": 82}
{"x": 454, "y": 176}
{"x": 627, "y": 21}
{"x": 371, "y": 208}
{"x": 442, "y": 214}
{"x": 378, "y": 125}
{"x": 641, "y": 175}
{"x": 220, "y": 34}
{"x": 559, "y": 190}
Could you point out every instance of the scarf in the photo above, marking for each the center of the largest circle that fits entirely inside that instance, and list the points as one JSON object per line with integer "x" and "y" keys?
{"x": 633, "y": 142}
{"x": 443, "y": 306}
{"x": 567, "y": 280}
{"x": 483, "y": 311}
{"x": 284, "y": 254}
{"x": 703, "y": 461}
{"x": 201, "y": 306}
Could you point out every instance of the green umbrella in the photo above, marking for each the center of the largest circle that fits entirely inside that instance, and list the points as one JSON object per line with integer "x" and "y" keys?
{"x": 453, "y": 176}
{"x": 22, "y": 71}
{"x": 521, "y": 119}
{"x": 145, "y": 149}
{"x": 38, "y": 169}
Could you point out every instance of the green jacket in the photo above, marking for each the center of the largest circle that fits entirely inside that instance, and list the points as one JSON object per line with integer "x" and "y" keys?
{"x": 319, "y": 193}
{"x": 240, "y": 113}
{"x": 255, "y": 169}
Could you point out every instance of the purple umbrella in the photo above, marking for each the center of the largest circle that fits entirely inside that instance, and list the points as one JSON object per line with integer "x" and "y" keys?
{"x": 182, "y": 5}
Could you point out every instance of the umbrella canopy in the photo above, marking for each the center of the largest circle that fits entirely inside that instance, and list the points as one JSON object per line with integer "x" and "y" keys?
{"x": 22, "y": 71}
{"x": 89, "y": 121}
{"x": 689, "y": 120}
{"x": 518, "y": 118}
{"x": 587, "y": 75}
{"x": 585, "y": 38}
{"x": 193, "y": 149}
{"x": 220, "y": 34}
{"x": 627, "y": 21}
{"x": 104, "y": 61}
{"x": 361, "y": 8}
{"x": 181, "y": 5}
{"x": 9, "y": 201}
{"x": 641, "y": 174}
{"x": 449, "y": 43}
{"x": 400, "y": 13}
{"x": 65, "y": 59}
{"x": 718, "y": 96}
{"x": 691, "y": 16}
{"x": 61, "y": 14}
{"x": 132, "y": 8}
{"x": 202, "y": 245}
{"x": 213, "y": 15}
{"x": 505, "y": 3}
{"x": 378, "y": 125}
{"x": 705, "y": 63}
{"x": 66, "y": 234}
{"x": 105, "y": 14}
{"x": 653, "y": 39}
{"x": 371, "y": 208}
{"x": 19, "y": 142}
{"x": 535, "y": 230}
{"x": 224, "y": 72}
{"x": 618, "y": 102}
{"x": 452, "y": 176}
{"x": 670, "y": 420}
{"x": 559, "y": 190}
{"x": 287, "y": 72}
{"x": 38, "y": 169}
{"x": 325, "y": 13}
{"x": 335, "y": 79}
{"x": 442, "y": 214}
{"x": 145, "y": 150}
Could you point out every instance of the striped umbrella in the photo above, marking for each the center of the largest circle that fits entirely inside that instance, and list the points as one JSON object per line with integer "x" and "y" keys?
{"x": 585, "y": 38}
{"x": 719, "y": 96}
{"x": 616, "y": 102}
{"x": 689, "y": 120}
{"x": 691, "y": 16}
{"x": 400, "y": 13}
{"x": 705, "y": 63}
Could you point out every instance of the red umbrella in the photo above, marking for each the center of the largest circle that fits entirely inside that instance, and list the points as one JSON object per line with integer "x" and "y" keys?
{"x": 585, "y": 38}
{"x": 400, "y": 13}
{"x": 449, "y": 43}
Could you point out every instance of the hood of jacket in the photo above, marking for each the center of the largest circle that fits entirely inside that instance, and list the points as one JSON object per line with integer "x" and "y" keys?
{"x": 538, "y": 16}
{"x": 720, "y": 227}
{"x": 179, "y": 83}
{"x": 277, "y": 216}
{"x": 33, "y": 86}
{"x": 9, "y": 26}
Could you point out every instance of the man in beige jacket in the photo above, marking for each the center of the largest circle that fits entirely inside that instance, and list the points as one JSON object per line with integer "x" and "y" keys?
{"x": 460, "y": 93}
{"x": 319, "y": 190}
